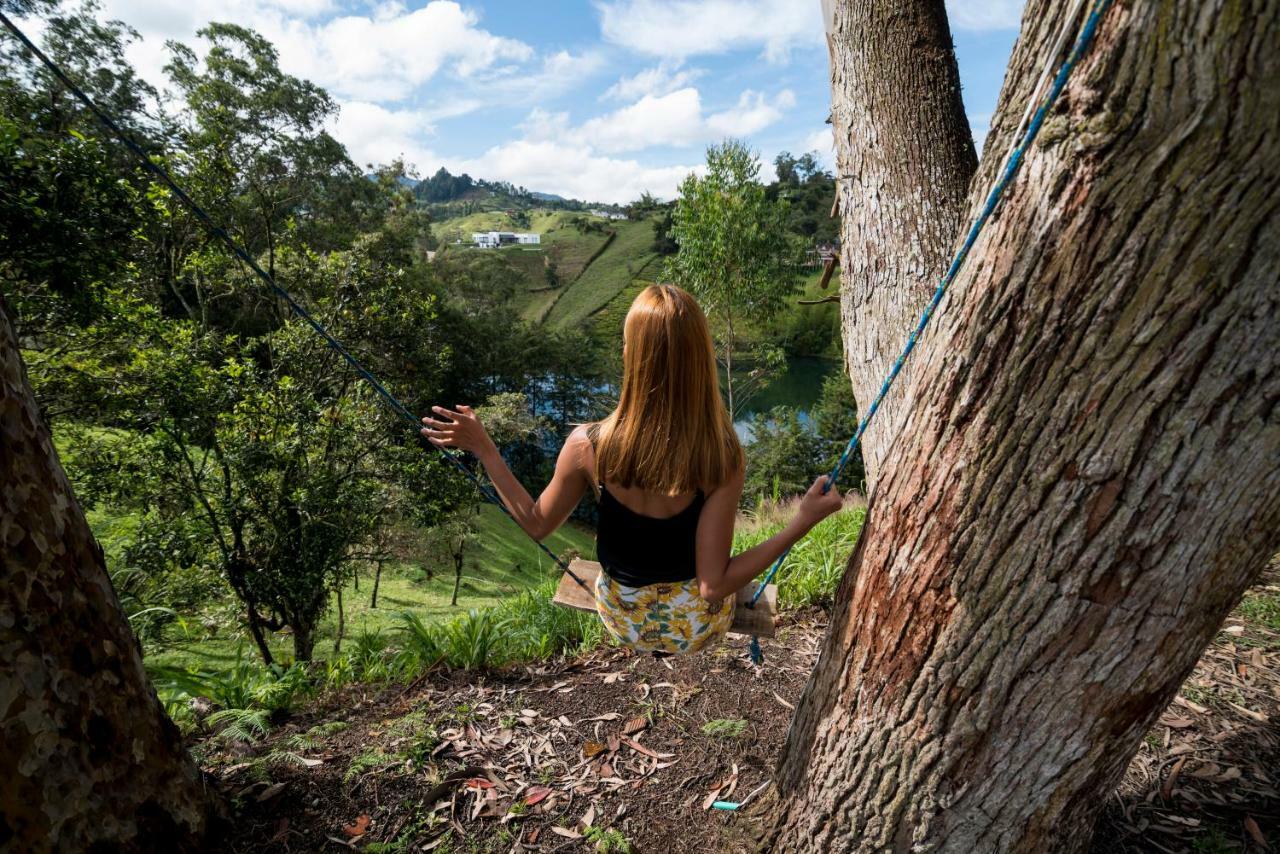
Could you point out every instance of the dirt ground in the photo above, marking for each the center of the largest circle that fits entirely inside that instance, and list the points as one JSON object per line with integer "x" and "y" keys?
{"x": 619, "y": 752}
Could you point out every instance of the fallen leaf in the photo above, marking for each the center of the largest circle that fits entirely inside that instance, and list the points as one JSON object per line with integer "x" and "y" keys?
{"x": 359, "y": 827}
{"x": 634, "y": 726}
{"x": 592, "y": 748}
{"x": 270, "y": 792}
{"x": 1234, "y": 630}
{"x": 536, "y": 795}
{"x": 1166, "y": 789}
{"x": 1176, "y": 723}
{"x": 711, "y": 798}
{"x": 566, "y": 832}
{"x": 1249, "y": 713}
{"x": 478, "y": 783}
{"x": 607, "y": 716}
{"x": 1256, "y": 832}
{"x": 778, "y": 697}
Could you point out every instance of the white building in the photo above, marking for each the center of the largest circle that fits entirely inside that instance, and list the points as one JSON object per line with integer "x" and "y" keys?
{"x": 494, "y": 239}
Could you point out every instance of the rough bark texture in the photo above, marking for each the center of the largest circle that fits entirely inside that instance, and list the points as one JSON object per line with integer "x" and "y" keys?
{"x": 1090, "y": 476}
{"x": 904, "y": 159}
{"x": 90, "y": 760}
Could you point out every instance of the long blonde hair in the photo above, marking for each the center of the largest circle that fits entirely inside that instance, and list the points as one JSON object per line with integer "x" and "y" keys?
{"x": 670, "y": 433}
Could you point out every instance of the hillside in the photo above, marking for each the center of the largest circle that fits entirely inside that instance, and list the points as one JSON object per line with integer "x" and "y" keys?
{"x": 583, "y": 264}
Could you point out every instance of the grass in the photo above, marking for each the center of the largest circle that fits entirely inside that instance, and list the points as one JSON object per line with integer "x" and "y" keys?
{"x": 725, "y": 728}
{"x": 502, "y": 563}
{"x": 628, "y": 258}
{"x": 816, "y": 563}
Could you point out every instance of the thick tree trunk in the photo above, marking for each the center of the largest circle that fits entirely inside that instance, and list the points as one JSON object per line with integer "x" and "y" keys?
{"x": 1090, "y": 476}
{"x": 904, "y": 159}
{"x": 89, "y": 759}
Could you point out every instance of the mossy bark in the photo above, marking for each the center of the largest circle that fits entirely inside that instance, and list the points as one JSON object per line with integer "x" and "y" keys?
{"x": 1089, "y": 476}
{"x": 90, "y": 761}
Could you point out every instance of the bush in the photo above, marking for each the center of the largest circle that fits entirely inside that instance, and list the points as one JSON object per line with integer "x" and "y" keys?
{"x": 525, "y": 627}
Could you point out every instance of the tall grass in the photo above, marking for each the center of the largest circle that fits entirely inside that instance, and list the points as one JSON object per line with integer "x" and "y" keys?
{"x": 525, "y": 627}
{"x": 814, "y": 568}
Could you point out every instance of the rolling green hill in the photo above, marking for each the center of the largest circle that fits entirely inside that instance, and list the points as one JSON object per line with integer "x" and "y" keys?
{"x": 627, "y": 259}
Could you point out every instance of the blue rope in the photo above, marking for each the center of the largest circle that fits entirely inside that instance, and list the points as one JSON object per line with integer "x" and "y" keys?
{"x": 217, "y": 231}
{"x": 1082, "y": 44}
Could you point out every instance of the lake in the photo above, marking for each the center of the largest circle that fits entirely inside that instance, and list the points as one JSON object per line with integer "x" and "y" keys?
{"x": 799, "y": 386}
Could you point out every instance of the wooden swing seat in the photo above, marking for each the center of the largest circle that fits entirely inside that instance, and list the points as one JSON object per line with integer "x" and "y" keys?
{"x": 746, "y": 621}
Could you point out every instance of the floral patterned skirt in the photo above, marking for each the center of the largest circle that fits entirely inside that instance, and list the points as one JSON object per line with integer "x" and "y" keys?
{"x": 661, "y": 617}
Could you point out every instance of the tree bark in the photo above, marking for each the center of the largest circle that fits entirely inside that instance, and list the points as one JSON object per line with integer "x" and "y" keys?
{"x": 457, "y": 576}
{"x": 904, "y": 159}
{"x": 377, "y": 579}
{"x": 1090, "y": 476}
{"x": 342, "y": 623}
{"x": 91, "y": 761}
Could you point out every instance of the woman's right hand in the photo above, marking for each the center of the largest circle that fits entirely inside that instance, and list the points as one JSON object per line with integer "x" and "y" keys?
{"x": 817, "y": 505}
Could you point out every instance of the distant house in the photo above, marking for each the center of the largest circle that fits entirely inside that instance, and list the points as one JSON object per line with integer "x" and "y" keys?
{"x": 606, "y": 214}
{"x": 494, "y": 239}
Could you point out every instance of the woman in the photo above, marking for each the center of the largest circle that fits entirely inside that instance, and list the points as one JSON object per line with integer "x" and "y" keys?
{"x": 667, "y": 468}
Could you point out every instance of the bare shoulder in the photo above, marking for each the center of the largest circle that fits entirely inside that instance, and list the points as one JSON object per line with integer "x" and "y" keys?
{"x": 579, "y": 439}
{"x": 731, "y": 488}
{"x": 579, "y": 451}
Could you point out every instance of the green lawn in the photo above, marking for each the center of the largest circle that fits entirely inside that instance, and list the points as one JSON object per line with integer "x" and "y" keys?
{"x": 502, "y": 562}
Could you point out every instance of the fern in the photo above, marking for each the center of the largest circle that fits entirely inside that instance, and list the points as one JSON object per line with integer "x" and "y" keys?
{"x": 248, "y": 725}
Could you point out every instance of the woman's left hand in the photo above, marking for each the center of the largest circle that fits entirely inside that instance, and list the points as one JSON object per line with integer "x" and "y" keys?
{"x": 462, "y": 429}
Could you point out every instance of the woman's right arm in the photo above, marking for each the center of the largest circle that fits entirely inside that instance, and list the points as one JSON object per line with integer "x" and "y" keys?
{"x": 719, "y": 575}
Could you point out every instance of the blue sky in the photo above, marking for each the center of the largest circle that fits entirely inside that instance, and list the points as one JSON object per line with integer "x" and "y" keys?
{"x": 595, "y": 99}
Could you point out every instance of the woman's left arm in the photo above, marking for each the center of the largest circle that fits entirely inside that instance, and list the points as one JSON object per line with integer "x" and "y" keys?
{"x": 538, "y": 518}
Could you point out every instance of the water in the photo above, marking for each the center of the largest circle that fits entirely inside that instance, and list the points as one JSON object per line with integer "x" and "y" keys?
{"x": 799, "y": 386}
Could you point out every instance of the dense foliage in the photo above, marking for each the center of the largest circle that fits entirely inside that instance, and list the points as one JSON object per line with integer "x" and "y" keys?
{"x": 252, "y": 456}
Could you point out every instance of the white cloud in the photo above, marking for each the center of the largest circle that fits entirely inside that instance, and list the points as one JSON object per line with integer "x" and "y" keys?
{"x": 661, "y": 79}
{"x": 386, "y": 57}
{"x": 674, "y": 119}
{"x": 985, "y": 14}
{"x": 822, "y": 142}
{"x": 383, "y": 56}
{"x": 573, "y": 171}
{"x": 754, "y": 112}
{"x": 676, "y": 29}
{"x": 560, "y": 72}
{"x": 677, "y": 119}
{"x": 377, "y": 134}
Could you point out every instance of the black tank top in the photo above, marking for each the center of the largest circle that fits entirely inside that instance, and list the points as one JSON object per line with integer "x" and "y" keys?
{"x": 638, "y": 550}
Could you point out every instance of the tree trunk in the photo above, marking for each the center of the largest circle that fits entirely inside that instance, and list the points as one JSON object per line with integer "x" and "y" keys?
{"x": 342, "y": 623}
{"x": 904, "y": 159}
{"x": 304, "y": 640}
{"x": 377, "y": 579}
{"x": 90, "y": 759}
{"x": 457, "y": 576}
{"x": 1090, "y": 476}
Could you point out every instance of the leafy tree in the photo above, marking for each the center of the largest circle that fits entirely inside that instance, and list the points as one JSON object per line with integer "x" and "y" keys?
{"x": 735, "y": 253}
{"x": 835, "y": 418}
{"x": 254, "y": 140}
{"x": 782, "y": 456}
